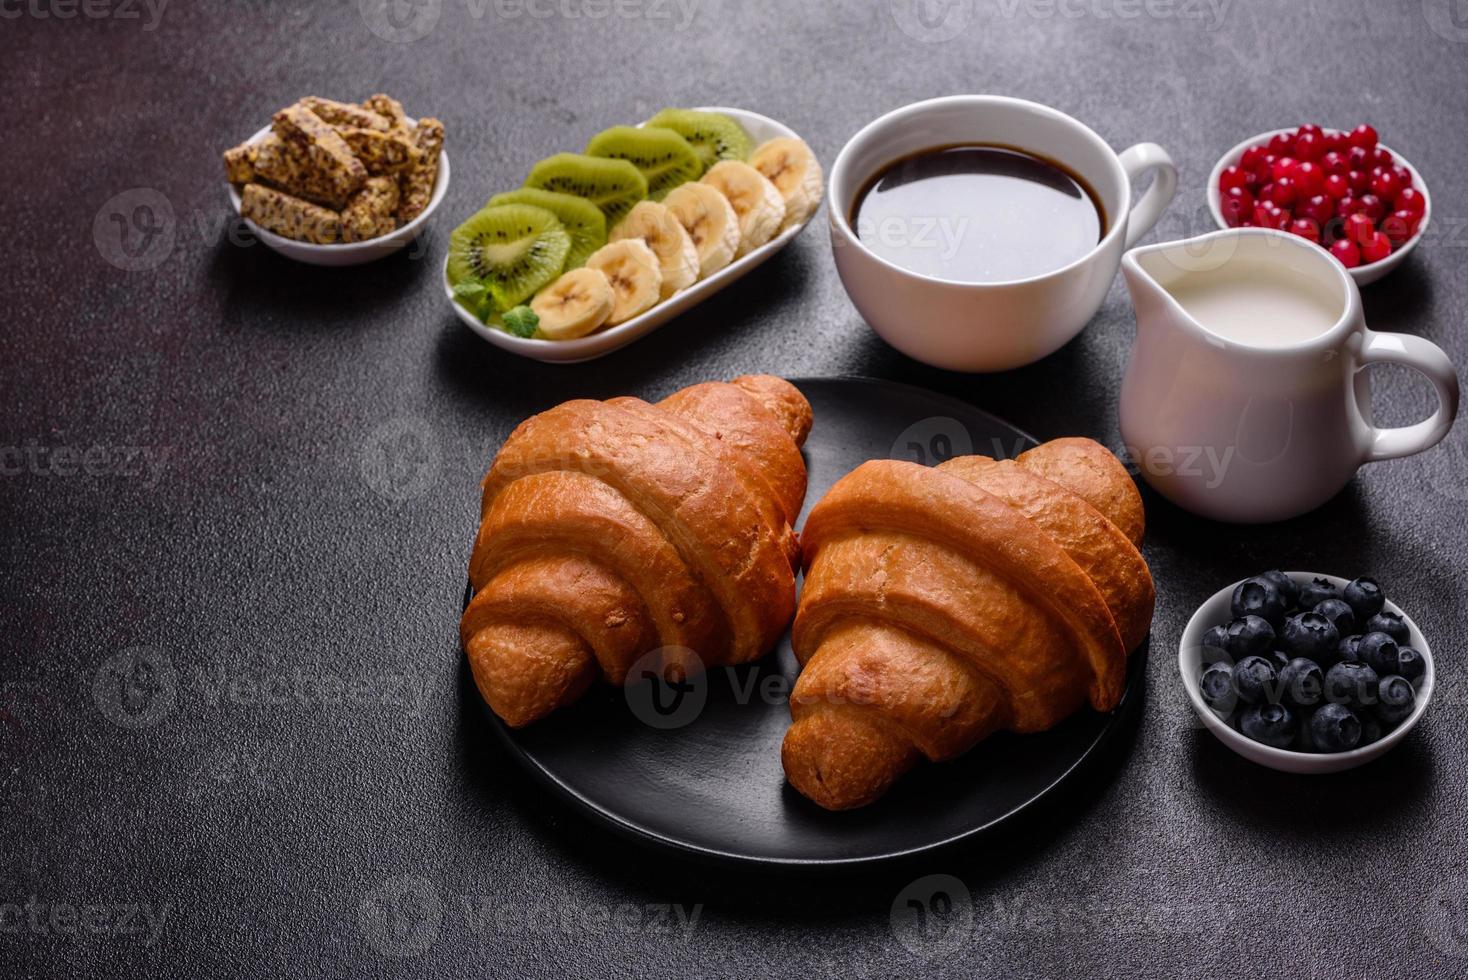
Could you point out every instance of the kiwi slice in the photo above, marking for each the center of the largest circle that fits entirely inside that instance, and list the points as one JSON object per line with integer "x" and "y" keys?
{"x": 513, "y": 249}
{"x": 612, "y": 185}
{"x": 713, "y": 136}
{"x": 583, "y": 220}
{"x": 665, "y": 158}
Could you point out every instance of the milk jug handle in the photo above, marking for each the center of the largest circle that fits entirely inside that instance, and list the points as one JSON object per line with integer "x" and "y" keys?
{"x": 1429, "y": 360}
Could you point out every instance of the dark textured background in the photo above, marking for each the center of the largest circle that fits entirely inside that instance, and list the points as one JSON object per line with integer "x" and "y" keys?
{"x": 288, "y": 828}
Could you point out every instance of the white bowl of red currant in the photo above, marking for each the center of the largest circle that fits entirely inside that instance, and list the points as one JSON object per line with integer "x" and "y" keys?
{"x": 1306, "y": 673}
{"x": 1345, "y": 191}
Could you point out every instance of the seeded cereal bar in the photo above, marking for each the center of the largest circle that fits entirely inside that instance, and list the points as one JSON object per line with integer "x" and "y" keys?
{"x": 417, "y": 185}
{"x": 322, "y": 147}
{"x": 289, "y": 216}
{"x": 372, "y": 211}
{"x": 346, "y": 114}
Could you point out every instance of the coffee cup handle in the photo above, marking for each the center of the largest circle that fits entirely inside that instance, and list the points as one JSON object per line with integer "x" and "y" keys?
{"x": 1136, "y": 161}
{"x": 1428, "y": 359}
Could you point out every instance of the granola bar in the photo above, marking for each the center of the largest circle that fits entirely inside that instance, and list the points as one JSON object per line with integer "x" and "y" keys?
{"x": 283, "y": 167}
{"x": 372, "y": 211}
{"x": 383, "y": 152}
{"x": 239, "y": 164}
{"x": 322, "y": 147}
{"x": 417, "y": 185}
{"x": 391, "y": 109}
{"x": 346, "y": 114}
{"x": 289, "y": 216}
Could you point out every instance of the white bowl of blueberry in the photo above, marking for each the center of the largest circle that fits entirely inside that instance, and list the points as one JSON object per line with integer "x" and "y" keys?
{"x": 1306, "y": 673}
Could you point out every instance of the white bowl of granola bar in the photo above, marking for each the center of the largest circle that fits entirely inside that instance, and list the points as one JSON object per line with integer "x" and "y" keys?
{"x": 326, "y": 220}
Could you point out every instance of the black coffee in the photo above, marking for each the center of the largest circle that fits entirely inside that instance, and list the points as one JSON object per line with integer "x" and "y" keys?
{"x": 978, "y": 214}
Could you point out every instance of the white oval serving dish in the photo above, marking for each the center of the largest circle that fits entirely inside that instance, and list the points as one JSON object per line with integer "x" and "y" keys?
{"x": 608, "y": 339}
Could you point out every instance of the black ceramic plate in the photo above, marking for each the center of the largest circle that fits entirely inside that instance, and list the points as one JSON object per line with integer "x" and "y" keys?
{"x": 699, "y": 771}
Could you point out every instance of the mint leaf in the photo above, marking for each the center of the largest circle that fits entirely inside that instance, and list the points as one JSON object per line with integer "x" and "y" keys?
{"x": 521, "y": 321}
{"x": 468, "y": 292}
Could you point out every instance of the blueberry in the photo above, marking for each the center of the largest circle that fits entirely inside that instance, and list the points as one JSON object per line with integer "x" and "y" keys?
{"x": 1391, "y": 624}
{"x": 1259, "y": 597}
{"x": 1250, "y": 636}
{"x": 1349, "y": 649}
{"x": 1397, "y": 699}
{"x": 1301, "y": 682}
{"x": 1339, "y": 614}
{"x": 1254, "y": 679}
{"x": 1216, "y": 639}
{"x": 1317, "y": 592}
{"x": 1410, "y": 664}
{"x": 1287, "y": 586}
{"x": 1272, "y": 724}
{"x": 1379, "y": 652}
{"x": 1350, "y": 683}
{"x": 1309, "y": 635}
{"x": 1364, "y": 597}
{"x": 1278, "y": 658}
{"x": 1335, "y": 728}
{"x": 1370, "y": 730}
{"x": 1217, "y": 687}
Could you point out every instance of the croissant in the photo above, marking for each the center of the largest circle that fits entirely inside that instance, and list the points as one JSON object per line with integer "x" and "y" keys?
{"x": 611, "y": 530}
{"x": 943, "y": 604}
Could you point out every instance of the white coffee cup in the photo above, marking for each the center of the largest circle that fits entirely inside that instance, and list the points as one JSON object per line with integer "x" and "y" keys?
{"x": 1261, "y": 411}
{"x": 992, "y": 326}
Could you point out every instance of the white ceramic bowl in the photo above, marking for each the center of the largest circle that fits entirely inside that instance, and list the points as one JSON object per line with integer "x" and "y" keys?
{"x": 1363, "y": 274}
{"x": 1190, "y": 656}
{"x": 606, "y": 340}
{"x": 349, "y": 253}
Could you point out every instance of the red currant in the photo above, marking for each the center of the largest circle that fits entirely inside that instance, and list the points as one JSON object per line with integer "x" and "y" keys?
{"x": 1360, "y": 228}
{"x": 1399, "y": 227}
{"x": 1346, "y": 253}
{"x": 1403, "y": 174}
{"x": 1309, "y": 146}
{"x": 1283, "y": 191}
{"x": 1363, "y": 136}
{"x": 1233, "y": 177}
{"x": 1310, "y": 128}
{"x": 1347, "y": 206}
{"x": 1318, "y": 209}
{"x": 1386, "y": 185}
{"x": 1237, "y": 205}
{"x": 1358, "y": 158}
{"x": 1359, "y": 181}
{"x": 1309, "y": 178}
{"x": 1334, "y": 163}
{"x": 1305, "y": 228}
{"x": 1283, "y": 167}
{"x": 1373, "y": 207}
{"x": 1376, "y": 248}
{"x": 1267, "y": 214}
{"x": 1336, "y": 142}
{"x": 1410, "y": 199}
{"x": 1336, "y": 186}
{"x": 1282, "y": 144}
{"x": 1251, "y": 157}
{"x": 1379, "y": 157}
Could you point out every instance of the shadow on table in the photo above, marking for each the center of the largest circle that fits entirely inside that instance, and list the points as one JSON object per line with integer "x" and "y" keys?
{"x": 808, "y": 894}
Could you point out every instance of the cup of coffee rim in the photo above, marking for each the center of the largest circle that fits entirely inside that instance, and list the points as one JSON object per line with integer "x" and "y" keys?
{"x": 974, "y": 323}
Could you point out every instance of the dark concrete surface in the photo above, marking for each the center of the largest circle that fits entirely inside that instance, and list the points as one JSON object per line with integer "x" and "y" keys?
{"x": 235, "y": 734}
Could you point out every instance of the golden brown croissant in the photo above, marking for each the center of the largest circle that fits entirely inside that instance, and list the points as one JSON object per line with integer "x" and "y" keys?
{"x": 943, "y": 604}
{"x": 613, "y": 529}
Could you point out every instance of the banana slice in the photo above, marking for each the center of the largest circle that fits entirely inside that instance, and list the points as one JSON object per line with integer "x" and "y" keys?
{"x": 710, "y": 221}
{"x": 756, "y": 201}
{"x": 654, "y": 224}
{"x": 634, "y": 273}
{"x": 575, "y": 304}
{"x": 796, "y": 173}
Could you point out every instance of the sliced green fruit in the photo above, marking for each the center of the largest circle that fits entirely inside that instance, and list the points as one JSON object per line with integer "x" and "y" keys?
{"x": 712, "y": 135}
{"x": 513, "y": 249}
{"x": 582, "y": 219}
{"x": 665, "y": 158}
{"x": 612, "y": 185}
